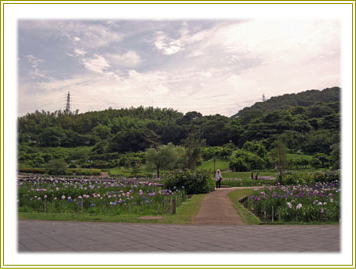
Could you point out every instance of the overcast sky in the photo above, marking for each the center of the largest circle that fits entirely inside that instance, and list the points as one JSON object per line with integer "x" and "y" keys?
{"x": 208, "y": 66}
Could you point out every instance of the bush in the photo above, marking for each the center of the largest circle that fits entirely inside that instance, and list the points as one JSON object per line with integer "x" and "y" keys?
{"x": 242, "y": 160}
{"x": 199, "y": 181}
{"x": 247, "y": 182}
{"x": 81, "y": 171}
{"x": 33, "y": 170}
{"x": 297, "y": 179}
{"x": 57, "y": 167}
{"x": 328, "y": 176}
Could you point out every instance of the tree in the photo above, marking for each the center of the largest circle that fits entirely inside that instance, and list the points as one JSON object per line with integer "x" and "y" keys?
{"x": 192, "y": 146}
{"x": 163, "y": 157}
{"x": 255, "y": 147}
{"x": 242, "y": 160}
{"x": 57, "y": 167}
{"x": 279, "y": 157}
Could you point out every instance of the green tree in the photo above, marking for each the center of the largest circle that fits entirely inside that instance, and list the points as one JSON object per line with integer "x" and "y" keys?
{"x": 57, "y": 167}
{"x": 279, "y": 156}
{"x": 193, "y": 146}
{"x": 163, "y": 157}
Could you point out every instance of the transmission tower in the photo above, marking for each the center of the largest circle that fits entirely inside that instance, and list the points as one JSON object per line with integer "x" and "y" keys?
{"x": 68, "y": 103}
{"x": 263, "y": 98}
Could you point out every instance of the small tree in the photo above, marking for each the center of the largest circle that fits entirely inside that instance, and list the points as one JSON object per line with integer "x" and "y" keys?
{"x": 57, "y": 167}
{"x": 279, "y": 157}
{"x": 192, "y": 146}
{"x": 163, "y": 157}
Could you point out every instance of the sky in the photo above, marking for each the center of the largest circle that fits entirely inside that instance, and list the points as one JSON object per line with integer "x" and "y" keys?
{"x": 210, "y": 66}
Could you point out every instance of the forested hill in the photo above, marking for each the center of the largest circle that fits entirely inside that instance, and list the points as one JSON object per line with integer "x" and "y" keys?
{"x": 307, "y": 122}
{"x": 303, "y": 99}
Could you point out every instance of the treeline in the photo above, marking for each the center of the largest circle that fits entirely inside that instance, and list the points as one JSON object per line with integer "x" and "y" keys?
{"x": 308, "y": 122}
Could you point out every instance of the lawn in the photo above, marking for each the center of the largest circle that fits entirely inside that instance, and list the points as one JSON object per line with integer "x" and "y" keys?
{"x": 247, "y": 216}
{"x": 219, "y": 164}
{"x": 247, "y": 175}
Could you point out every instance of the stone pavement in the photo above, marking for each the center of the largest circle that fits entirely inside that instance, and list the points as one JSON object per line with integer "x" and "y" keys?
{"x": 63, "y": 236}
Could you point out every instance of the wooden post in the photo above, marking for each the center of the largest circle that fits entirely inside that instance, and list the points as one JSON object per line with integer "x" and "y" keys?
{"x": 272, "y": 214}
{"x": 174, "y": 205}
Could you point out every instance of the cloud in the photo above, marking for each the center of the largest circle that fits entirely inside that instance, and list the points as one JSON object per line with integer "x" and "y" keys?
{"x": 166, "y": 45}
{"x": 80, "y": 52}
{"x": 35, "y": 71}
{"x": 220, "y": 68}
{"x": 128, "y": 59}
{"x": 87, "y": 34}
{"x": 97, "y": 64}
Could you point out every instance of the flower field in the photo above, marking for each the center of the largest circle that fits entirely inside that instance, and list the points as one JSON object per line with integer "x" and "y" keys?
{"x": 315, "y": 203}
{"x": 96, "y": 196}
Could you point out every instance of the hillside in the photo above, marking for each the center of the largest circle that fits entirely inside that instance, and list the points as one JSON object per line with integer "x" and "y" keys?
{"x": 303, "y": 99}
{"x": 307, "y": 122}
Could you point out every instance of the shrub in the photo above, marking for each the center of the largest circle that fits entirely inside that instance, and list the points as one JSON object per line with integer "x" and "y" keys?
{"x": 297, "y": 179}
{"x": 57, "y": 167}
{"x": 328, "y": 176}
{"x": 242, "y": 160}
{"x": 247, "y": 182}
{"x": 198, "y": 181}
{"x": 33, "y": 170}
{"x": 81, "y": 171}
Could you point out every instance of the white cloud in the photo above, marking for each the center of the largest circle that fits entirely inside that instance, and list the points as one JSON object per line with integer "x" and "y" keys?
{"x": 128, "y": 59}
{"x": 96, "y": 64}
{"x": 80, "y": 52}
{"x": 221, "y": 69}
{"x": 35, "y": 72}
{"x": 166, "y": 45}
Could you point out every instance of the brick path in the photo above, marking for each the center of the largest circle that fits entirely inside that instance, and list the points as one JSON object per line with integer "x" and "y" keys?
{"x": 57, "y": 236}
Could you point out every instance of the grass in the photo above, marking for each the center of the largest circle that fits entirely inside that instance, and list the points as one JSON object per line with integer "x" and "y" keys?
{"x": 247, "y": 182}
{"x": 184, "y": 215}
{"x": 128, "y": 172}
{"x": 219, "y": 164}
{"x": 247, "y": 216}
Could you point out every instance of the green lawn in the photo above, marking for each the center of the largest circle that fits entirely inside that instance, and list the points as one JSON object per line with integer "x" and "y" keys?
{"x": 247, "y": 175}
{"x": 247, "y": 216}
{"x": 219, "y": 164}
{"x": 184, "y": 215}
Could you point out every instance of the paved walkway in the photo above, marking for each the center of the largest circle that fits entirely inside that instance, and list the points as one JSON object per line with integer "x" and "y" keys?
{"x": 217, "y": 208}
{"x": 57, "y": 236}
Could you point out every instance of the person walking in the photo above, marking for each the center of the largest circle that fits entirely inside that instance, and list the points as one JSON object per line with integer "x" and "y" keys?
{"x": 218, "y": 178}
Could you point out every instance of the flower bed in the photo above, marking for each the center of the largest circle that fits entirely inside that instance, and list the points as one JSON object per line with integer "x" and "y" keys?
{"x": 315, "y": 203}
{"x": 95, "y": 196}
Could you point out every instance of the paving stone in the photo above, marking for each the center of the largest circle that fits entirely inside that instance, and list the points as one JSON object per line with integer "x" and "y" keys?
{"x": 59, "y": 236}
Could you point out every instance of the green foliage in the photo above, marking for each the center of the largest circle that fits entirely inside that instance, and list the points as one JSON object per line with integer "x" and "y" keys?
{"x": 299, "y": 161}
{"x": 32, "y": 170}
{"x": 247, "y": 182}
{"x": 197, "y": 181}
{"x": 192, "y": 146}
{"x": 255, "y": 147}
{"x": 57, "y": 167}
{"x": 326, "y": 176}
{"x": 163, "y": 157}
{"x": 297, "y": 179}
{"x": 219, "y": 164}
{"x": 242, "y": 160}
{"x": 83, "y": 171}
{"x": 320, "y": 160}
{"x": 307, "y": 123}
